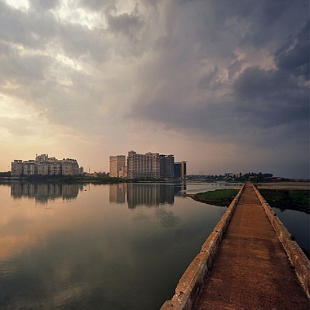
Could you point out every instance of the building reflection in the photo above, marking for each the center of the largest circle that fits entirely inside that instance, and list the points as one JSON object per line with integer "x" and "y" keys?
{"x": 42, "y": 192}
{"x": 154, "y": 194}
{"x": 118, "y": 193}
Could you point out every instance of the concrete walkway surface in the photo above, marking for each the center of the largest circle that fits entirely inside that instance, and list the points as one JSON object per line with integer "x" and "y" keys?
{"x": 251, "y": 269}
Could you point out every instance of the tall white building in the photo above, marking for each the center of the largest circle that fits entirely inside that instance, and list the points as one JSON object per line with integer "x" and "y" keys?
{"x": 117, "y": 166}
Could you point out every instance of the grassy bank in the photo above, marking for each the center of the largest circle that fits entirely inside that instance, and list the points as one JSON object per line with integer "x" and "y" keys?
{"x": 219, "y": 197}
{"x": 287, "y": 199}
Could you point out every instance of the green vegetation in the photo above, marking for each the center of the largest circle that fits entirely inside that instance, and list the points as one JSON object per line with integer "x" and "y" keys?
{"x": 101, "y": 179}
{"x": 278, "y": 198}
{"x": 287, "y": 199}
{"x": 219, "y": 197}
{"x": 98, "y": 178}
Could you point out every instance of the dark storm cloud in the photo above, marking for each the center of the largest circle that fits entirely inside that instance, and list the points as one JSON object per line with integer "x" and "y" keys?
{"x": 236, "y": 72}
{"x": 271, "y": 97}
{"x": 125, "y": 24}
{"x": 293, "y": 55}
{"x": 76, "y": 39}
{"x": 23, "y": 70}
{"x": 32, "y": 30}
{"x": 210, "y": 79}
{"x": 272, "y": 20}
{"x": 253, "y": 97}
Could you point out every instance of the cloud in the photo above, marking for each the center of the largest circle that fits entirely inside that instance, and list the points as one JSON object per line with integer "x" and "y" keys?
{"x": 125, "y": 24}
{"x": 43, "y": 4}
{"x": 32, "y": 30}
{"x": 293, "y": 55}
{"x": 233, "y": 73}
{"x": 95, "y": 5}
{"x": 18, "y": 126}
{"x": 273, "y": 97}
{"x": 225, "y": 103}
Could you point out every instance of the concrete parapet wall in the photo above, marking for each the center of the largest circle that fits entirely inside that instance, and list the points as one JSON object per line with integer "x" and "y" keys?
{"x": 191, "y": 281}
{"x": 297, "y": 257}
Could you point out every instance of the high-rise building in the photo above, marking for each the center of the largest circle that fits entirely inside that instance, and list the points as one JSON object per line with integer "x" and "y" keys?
{"x": 166, "y": 166}
{"x": 117, "y": 164}
{"x": 143, "y": 165}
{"x": 149, "y": 165}
{"x": 180, "y": 170}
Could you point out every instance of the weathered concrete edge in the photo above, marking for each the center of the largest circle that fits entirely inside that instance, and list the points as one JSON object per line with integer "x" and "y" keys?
{"x": 297, "y": 257}
{"x": 191, "y": 281}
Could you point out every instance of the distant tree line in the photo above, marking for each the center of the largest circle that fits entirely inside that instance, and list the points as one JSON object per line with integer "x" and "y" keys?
{"x": 255, "y": 177}
{"x": 102, "y": 177}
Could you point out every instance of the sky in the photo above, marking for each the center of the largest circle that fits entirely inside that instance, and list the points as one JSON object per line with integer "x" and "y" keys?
{"x": 223, "y": 85}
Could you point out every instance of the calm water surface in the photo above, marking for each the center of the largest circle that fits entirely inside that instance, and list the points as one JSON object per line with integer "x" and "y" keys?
{"x": 98, "y": 247}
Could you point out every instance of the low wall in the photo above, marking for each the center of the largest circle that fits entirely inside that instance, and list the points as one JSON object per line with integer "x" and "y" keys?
{"x": 297, "y": 257}
{"x": 191, "y": 281}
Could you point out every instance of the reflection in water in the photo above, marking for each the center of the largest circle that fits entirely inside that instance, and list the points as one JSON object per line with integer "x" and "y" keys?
{"x": 42, "y": 192}
{"x": 167, "y": 218}
{"x": 89, "y": 254}
{"x": 117, "y": 192}
{"x": 149, "y": 194}
{"x": 153, "y": 194}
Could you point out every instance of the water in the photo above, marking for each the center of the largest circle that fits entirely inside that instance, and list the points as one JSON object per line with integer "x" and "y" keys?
{"x": 298, "y": 224}
{"x": 99, "y": 246}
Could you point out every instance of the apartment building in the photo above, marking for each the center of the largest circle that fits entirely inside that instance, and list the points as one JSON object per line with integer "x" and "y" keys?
{"x": 17, "y": 167}
{"x": 149, "y": 165}
{"x": 29, "y": 167}
{"x": 117, "y": 166}
{"x": 180, "y": 170}
{"x": 143, "y": 165}
{"x": 166, "y": 166}
{"x": 69, "y": 166}
{"x": 44, "y": 165}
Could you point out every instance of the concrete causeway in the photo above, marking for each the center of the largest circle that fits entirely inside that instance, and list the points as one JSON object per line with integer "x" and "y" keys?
{"x": 246, "y": 266}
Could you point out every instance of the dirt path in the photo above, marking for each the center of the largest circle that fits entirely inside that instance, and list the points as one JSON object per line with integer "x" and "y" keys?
{"x": 251, "y": 270}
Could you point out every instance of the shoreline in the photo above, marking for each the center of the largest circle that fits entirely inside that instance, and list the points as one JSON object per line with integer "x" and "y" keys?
{"x": 302, "y": 185}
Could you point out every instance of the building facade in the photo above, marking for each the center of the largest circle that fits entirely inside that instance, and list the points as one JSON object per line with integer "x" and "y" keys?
{"x": 17, "y": 167}
{"x": 180, "y": 170}
{"x": 117, "y": 166}
{"x": 44, "y": 165}
{"x": 69, "y": 166}
{"x": 143, "y": 165}
{"x": 166, "y": 166}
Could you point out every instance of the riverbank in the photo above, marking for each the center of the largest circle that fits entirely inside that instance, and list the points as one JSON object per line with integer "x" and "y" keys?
{"x": 286, "y": 185}
{"x": 79, "y": 180}
{"x": 278, "y": 196}
{"x": 219, "y": 197}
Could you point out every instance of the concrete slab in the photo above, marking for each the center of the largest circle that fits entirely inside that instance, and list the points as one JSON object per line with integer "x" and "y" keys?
{"x": 251, "y": 269}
